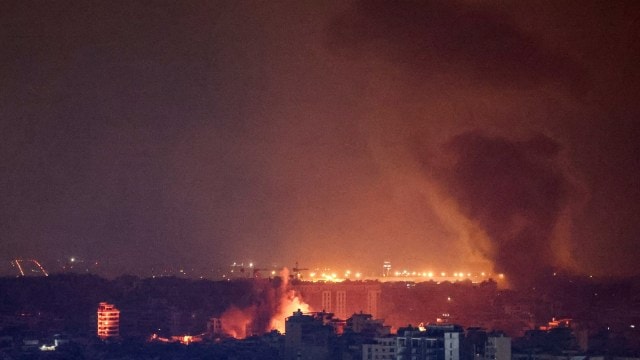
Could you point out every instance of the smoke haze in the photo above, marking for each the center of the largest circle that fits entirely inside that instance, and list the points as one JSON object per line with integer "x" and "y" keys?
{"x": 439, "y": 135}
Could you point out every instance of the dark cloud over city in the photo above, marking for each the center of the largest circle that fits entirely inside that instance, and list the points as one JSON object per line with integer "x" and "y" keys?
{"x": 455, "y": 135}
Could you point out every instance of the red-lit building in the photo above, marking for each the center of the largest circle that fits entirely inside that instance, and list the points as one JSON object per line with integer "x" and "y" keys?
{"x": 108, "y": 321}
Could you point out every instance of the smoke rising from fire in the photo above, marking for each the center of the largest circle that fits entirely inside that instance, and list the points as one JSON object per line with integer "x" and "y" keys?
{"x": 474, "y": 87}
{"x": 517, "y": 192}
{"x": 270, "y": 303}
{"x": 210, "y": 132}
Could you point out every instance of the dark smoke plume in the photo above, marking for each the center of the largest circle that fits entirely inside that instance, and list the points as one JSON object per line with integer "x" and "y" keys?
{"x": 429, "y": 37}
{"x": 515, "y": 191}
{"x": 253, "y": 314}
{"x": 264, "y": 308}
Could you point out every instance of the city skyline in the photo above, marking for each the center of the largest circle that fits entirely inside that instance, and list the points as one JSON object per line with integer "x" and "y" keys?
{"x": 469, "y": 136}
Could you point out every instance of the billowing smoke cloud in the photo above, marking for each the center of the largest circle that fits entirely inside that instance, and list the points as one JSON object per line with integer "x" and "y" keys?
{"x": 502, "y": 186}
{"x": 431, "y": 37}
{"x": 516, "y": 192}
{"x": 268, "y": 305}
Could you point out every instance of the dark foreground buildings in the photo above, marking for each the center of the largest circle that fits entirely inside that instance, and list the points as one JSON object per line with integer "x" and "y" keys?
{"x": 55, "y": 317}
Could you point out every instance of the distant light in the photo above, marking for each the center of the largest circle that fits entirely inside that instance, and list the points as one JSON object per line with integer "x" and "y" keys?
{"x": 358, "y": 275}
{"x": 47, "y": 348}
{"x": 632, "y": 326}
{"x": 430, "y": 274}
{"x": 273, "y": 272}
{"x": 443, "y": 274}
{"x": 250, "y": 265}
{"x": 73, "y": 259}
{"x": 448, "y": 298}
{"x": 501, "y": 276}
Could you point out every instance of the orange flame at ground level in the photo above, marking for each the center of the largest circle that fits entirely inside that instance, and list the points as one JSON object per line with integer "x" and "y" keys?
{"x": 288, "y": 305}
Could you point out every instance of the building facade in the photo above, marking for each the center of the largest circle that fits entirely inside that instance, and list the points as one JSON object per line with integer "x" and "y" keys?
{"x": 436, "y": 342}
{"x": 108, "y": 321}
{"x": 498, "y": 348}
{"x": 309, "y": 337}
{"x": 381, "y": 349}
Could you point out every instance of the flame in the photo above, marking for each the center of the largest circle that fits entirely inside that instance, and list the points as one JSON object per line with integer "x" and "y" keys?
{"x": 290, "y": 302}
{"x": 277, "y": 303}
{"x": 234, "y": 321}
{"x": 288, "y": 305}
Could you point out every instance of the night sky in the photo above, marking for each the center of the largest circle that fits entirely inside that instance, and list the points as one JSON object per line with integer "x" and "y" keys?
{"x": 439, "y": 134}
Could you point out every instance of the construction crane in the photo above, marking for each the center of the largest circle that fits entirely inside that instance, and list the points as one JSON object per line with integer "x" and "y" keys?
{"x": 296, "y": 272}
{"x": 33, "y": 267}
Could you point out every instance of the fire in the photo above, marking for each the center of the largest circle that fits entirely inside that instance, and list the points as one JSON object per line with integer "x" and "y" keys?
{"x": 288, "y": 305}
{"x": 273, "y": 303}
{"x": 234, "y": 321}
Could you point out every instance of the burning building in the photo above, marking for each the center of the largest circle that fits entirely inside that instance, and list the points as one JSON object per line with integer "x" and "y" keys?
{"x": 263, "y": 308}
{"x": 108, "y": 321}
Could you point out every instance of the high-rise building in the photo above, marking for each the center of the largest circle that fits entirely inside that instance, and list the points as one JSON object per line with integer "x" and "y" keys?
{"x": 380, "y": 348}
{"x": 309, "y": 337}
{"x": 341, "y": 304}
{"x": 436, "y": 342}
{"x": 214, "y": 327}
{"x": 326, "y": 301}
{"x": 373, "y": 298}
{"x": 498, "y": 348}
{"x": 386, "y": 268}
{"x": 108, "y": 321}
{"x": 342, "y": 299}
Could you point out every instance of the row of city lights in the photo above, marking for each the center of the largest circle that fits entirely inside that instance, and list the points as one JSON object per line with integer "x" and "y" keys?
{"x": 358, "y": 275}
{"x": 442, "y": 274}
